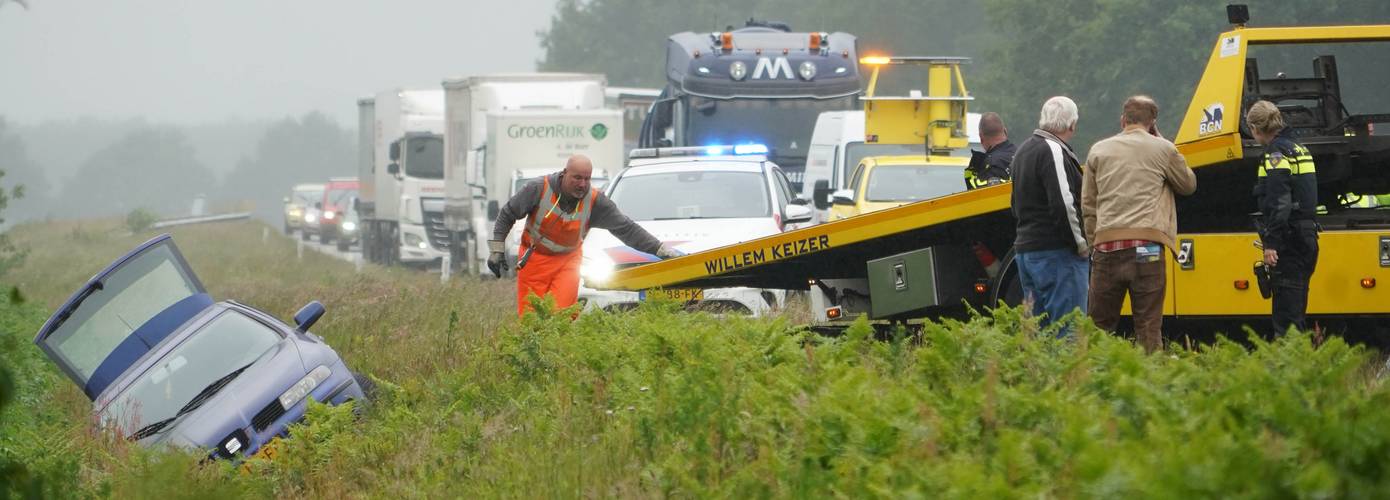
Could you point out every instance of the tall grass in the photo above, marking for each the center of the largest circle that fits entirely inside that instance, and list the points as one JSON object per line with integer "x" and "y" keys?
{"x": 655, "y": 402}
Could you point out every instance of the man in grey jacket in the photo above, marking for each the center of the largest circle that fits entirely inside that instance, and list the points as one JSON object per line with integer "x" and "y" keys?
{"x": 559, "y": 210}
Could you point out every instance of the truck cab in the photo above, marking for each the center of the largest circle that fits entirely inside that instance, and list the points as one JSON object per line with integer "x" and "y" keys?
{"x": 761, "y": 84}
{"x": 406, "y": 225}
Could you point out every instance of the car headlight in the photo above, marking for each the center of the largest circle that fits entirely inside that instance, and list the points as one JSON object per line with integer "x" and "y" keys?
{"x": 301, "y": 389}
{"x": 329, "y": 215}
{"x": 414, "y": 240}
{"x": 349, "y": 226}
{"x": 310, "y": 217}
{"x": 596, "y": 270}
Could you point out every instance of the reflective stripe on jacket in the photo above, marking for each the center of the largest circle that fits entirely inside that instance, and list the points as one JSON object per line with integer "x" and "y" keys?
{"x": 552, "y": 230}
{"x": 1286, "y": 189}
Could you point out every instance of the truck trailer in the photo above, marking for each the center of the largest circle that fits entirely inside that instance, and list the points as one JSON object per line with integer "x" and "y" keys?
{"x": 540, "y": 106}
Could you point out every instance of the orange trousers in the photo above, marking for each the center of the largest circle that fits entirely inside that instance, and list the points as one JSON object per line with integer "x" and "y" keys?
{"x": 556, "y": 275}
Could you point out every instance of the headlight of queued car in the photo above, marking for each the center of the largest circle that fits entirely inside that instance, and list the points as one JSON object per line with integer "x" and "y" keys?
{"x": 329, "y": 215}
{"x": 310, "y": 217}
{"x": 349, "y": 226}
{"x": 301, "y": 389}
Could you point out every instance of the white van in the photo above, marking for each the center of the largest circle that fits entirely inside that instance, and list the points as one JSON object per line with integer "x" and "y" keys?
{"x": 837, "y": 145}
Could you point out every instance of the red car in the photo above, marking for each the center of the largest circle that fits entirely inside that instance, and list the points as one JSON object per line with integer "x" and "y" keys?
{"x": 338, "y": 194}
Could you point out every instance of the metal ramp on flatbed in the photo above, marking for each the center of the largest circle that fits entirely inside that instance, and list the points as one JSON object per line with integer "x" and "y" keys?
{"x": 832, "y": 250}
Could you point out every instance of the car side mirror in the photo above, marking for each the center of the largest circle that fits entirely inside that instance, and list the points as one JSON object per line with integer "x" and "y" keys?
{"x": 492, "y": 210}
{"x": 354, "y": 204}
{"x": 797, "y": 214}
{"x": 820, "y": 194}
{"x": 307, "y": 316}
{"x": 843, "y": 197}
{"x": 318, "y": 205}
{"x": 393, "y": 169}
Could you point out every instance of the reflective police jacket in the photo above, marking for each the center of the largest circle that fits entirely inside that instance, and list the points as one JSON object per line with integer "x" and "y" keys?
{"x": 1286, "y": 190}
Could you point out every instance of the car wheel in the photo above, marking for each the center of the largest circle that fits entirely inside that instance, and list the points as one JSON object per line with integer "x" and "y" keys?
{"x": 287, "y": 229}
{"x": 325, "y": 239}
{"x": 343, "y": 244}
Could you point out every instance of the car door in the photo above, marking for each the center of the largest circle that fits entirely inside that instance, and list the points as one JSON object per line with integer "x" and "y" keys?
{"x": 122, "y": 313}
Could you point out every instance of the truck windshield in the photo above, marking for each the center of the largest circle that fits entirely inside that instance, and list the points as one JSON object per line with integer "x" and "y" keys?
{"x": 781, "y": 124}
{"x": 693, "y": 195}
{"x": 228, "y": 342}
{"x": 425, "y": 160}
{"x": 914, "y": 182}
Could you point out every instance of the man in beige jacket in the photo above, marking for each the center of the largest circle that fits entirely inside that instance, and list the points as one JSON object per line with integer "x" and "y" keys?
{"x": 1130, "y": 217}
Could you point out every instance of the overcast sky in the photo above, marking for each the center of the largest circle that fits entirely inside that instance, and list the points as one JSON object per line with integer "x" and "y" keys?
{"x": 193, "y": 61}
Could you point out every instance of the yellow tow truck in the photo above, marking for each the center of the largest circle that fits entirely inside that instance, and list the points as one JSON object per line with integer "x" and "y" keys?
{"x": 930, "y": 257}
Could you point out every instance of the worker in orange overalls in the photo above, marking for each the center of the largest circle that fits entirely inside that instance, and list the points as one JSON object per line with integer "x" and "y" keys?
{"x": 559, "y": 210}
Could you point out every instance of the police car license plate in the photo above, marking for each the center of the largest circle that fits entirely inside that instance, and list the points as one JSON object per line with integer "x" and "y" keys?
{"x": 676, "y": 294}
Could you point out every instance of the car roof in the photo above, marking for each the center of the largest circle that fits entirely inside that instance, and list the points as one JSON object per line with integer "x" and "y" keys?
{"x": 308, "y": 187}
{"x": 687, "y": 164}
{"x": 937, "y": 160}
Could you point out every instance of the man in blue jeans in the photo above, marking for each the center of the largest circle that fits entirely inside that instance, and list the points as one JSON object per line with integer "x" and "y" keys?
{"x": 1052, "y": 255}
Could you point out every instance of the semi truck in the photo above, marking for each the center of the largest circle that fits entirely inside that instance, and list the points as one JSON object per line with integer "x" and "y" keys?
{"x": 760, "y": 84}
{"x": 497, "y": 124}
{"x": 923, "y": 259}
{"x": 402, "y": 192}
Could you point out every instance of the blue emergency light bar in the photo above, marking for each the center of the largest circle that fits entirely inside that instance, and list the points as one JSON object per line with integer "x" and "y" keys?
{"x": 735, "y": 150}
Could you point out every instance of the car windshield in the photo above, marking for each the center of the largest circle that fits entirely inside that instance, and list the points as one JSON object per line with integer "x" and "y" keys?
{"x": 228, "y": 342}
{"x": 307, "y": 198}
{"x": 857, "y": 151}
{"x": 693, "y": 195}
{"x": 425, "y": 160}
{"x": 341, "y": 198}
{"x": 914, "y": 182}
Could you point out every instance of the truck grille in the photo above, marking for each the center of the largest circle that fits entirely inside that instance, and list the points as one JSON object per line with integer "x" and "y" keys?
{"x": 433, "y": 210}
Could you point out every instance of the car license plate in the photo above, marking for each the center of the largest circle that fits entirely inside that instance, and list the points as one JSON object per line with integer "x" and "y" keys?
{"x": 268, "y": 453}
{"x": 676, "y": 294}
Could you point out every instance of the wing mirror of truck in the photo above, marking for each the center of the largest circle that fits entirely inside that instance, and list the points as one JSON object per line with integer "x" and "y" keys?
{"x": 797, "y": 214}
{"x": 820, "y": 194}
{"x": 307, "y": 316}
{"x": 394, "y": 169}
{"x": 395, "y": 151}
{"x": 843, "y": 197}
{"x": 492, "y": 210}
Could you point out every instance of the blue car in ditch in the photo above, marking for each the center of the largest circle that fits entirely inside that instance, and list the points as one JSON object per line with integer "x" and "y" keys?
{"x": 165, "y": 364}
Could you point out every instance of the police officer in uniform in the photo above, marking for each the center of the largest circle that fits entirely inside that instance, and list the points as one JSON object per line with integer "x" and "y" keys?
{"x": 1286, "y": 190}
{"x": 991, "y": 166}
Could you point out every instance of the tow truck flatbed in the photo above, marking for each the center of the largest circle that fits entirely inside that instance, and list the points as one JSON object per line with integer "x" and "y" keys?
{"x": 825, "y": 251}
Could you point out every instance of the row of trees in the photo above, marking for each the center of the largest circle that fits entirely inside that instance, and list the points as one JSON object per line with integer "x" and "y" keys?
{"x": 157, "y": 168}
{"x": 1096, "y": 51}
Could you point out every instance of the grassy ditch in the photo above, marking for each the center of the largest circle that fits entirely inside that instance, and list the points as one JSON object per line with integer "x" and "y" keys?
{"x": 656, "y": 402}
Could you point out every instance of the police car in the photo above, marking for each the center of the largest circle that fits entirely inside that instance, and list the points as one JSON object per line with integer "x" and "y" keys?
{"x": 693, "y": 199}
{"x": 164, "y": 364}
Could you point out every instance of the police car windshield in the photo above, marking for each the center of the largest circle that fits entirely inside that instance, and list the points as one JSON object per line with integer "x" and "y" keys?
{"x": 693, "y": 195}
{"x": 228, "y": 342}
{"x": 782, "y": 124}
{"x": 900, "y": 183}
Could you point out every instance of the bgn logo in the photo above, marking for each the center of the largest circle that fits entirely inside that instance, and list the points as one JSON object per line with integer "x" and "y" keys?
{"x": 1211, "y": 119}
{"x": 767, "y": 66}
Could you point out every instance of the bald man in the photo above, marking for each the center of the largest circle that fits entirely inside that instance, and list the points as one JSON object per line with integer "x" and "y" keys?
{"x": 559, "y": 210}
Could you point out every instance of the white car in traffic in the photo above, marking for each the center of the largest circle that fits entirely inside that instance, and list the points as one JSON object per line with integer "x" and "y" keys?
{"x": 693, "y": 199}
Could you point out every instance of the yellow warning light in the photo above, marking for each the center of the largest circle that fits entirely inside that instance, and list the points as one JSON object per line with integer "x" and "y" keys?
{"x": 875, "y": 60}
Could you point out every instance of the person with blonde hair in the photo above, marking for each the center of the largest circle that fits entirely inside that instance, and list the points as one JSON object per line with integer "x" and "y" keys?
{"x": 1286, "y": 190}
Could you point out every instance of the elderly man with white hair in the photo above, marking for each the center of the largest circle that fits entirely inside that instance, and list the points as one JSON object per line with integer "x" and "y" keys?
{"x": 1050, "y": 242}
